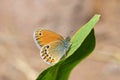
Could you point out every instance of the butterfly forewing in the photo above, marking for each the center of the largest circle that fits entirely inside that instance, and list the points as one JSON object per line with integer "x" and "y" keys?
{"x": 43, "y": 37}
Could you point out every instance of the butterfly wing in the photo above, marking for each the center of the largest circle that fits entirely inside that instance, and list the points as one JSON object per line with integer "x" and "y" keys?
{"x": 43, "y": 37}
{"x": 53, "y": 52}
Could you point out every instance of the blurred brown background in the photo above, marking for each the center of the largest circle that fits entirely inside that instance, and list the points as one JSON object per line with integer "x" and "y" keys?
{"x": 19, "y": 56}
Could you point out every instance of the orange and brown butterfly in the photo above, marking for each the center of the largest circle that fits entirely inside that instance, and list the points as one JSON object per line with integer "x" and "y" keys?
{"x": 52, "y": 45}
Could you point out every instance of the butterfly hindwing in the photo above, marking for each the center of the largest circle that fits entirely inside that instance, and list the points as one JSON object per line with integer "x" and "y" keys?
{"x": 54, "y": 51}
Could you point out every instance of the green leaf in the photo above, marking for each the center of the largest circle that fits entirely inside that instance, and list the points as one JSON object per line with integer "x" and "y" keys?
{"x": 83, "y": 43}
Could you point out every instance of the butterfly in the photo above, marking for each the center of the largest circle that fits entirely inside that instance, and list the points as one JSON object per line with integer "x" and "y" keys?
{"x": 53, "y": 47}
